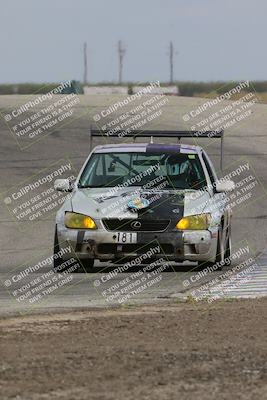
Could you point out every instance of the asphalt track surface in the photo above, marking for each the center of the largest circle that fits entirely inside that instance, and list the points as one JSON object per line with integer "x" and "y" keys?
{"x": 23, "y": 243}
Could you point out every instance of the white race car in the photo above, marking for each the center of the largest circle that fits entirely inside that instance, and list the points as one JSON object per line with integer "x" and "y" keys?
{"x": 129, "y": 196}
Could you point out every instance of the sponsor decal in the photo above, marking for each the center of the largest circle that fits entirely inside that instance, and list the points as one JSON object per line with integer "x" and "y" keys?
{"x": 138, "y": 204}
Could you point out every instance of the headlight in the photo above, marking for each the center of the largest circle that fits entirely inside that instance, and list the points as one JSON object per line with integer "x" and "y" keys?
{"x": 79, "y": 221}
{"x": 192, "y": 222}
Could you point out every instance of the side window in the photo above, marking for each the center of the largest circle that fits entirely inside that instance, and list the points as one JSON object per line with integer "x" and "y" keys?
{"x": 210, "y": 172}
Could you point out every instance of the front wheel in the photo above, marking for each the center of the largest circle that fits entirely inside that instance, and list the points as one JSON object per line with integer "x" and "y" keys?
{"x": 228, "y": 248}
{"x": 87, "y": 265}
{"x": 57, "y": 259}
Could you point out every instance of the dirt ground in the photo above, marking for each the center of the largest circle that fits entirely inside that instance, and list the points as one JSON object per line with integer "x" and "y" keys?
{"x": 171, "y": 351}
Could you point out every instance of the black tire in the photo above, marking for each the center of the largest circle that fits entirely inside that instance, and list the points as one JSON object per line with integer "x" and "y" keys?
{"x": 87, "y": 265}
{"x": 228, "y": 248}
{"x": 58, "y": 260}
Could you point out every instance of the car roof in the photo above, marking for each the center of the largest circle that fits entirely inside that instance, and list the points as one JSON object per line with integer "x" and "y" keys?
{"x": 147, "y": 147}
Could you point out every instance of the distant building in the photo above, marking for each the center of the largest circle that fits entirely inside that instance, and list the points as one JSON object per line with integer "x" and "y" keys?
{"x": 93, "y": 90}
{"x": 168, "y": 90}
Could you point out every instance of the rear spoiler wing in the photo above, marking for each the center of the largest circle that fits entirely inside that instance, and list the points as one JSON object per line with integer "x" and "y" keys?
{"x": 159, "y": 134}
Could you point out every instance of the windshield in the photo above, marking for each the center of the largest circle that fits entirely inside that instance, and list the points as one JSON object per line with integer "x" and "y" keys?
{"x": 177, "y": 170}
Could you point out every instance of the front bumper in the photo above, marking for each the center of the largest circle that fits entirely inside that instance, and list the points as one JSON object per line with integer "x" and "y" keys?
{"x": 174, "y": 246}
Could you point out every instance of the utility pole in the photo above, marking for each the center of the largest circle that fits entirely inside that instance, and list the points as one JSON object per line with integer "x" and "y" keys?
{"x": 171, "y": 62}
{"x": 121, "y": 53}
{"x": 85, "y": 63}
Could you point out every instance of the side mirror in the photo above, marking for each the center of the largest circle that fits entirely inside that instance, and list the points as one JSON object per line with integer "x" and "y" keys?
{"x": 224, "y": 186}
{"x": 62, "y": 185}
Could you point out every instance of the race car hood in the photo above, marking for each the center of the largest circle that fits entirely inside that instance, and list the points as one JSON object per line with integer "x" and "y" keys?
{"x": 102, "y": 203}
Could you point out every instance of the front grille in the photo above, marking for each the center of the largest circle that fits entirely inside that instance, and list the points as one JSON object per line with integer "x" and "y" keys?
{"x": 129, "y": 225}
{"x": 111, "y": 248}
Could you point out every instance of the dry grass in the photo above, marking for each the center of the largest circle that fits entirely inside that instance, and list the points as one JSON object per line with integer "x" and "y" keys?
{"x": 262, "y": 96}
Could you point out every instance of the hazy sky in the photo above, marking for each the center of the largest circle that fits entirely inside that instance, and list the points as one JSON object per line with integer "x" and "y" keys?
{"x": 41, "y": 40}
